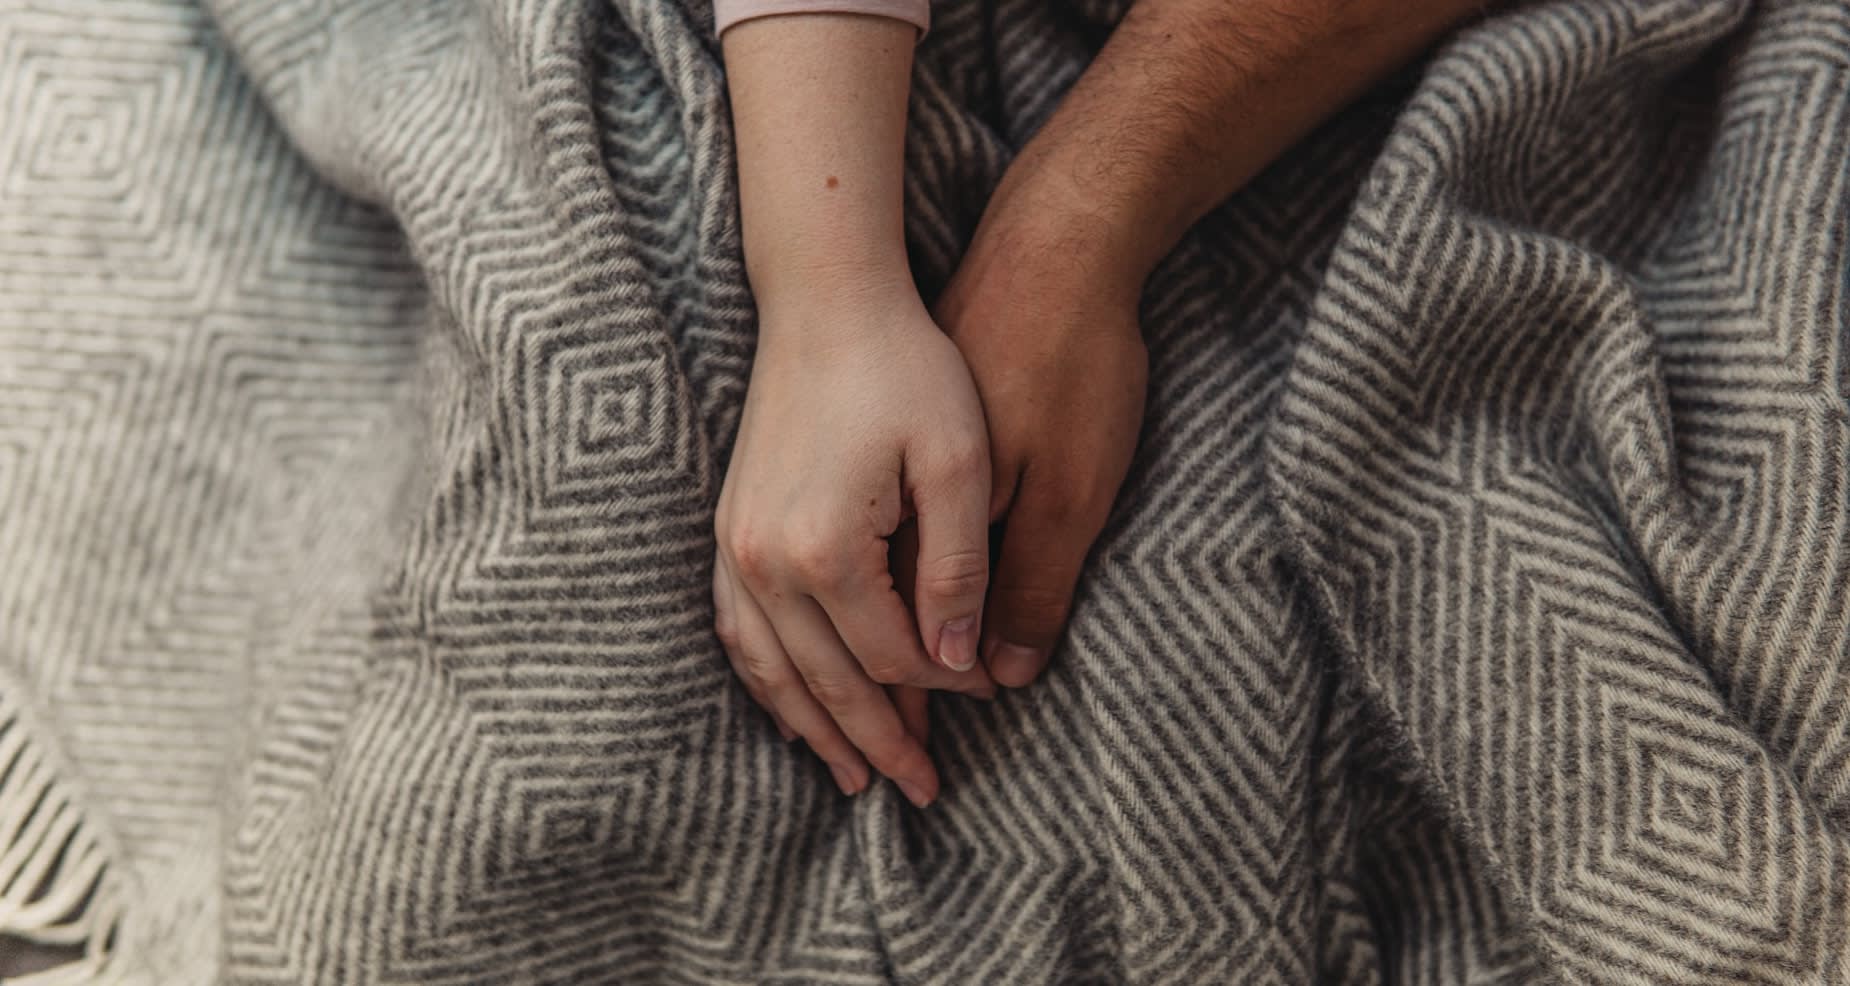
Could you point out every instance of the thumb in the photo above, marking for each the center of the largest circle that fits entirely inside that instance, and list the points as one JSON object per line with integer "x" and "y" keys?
{"x": 953, "y": 561}
{"x": 1044, "y": 547}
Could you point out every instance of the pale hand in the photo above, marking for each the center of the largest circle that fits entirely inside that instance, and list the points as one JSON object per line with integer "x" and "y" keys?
{"x": 859, "y": 415}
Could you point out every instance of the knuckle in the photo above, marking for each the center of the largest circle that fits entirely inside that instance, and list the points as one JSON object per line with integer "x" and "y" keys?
{"x": 956, "y": 575}
{"x": 1064, "y": 509}
{"x": 833, "y": 689}
{"x": 758, "y": 666}
{"x": 964, "y": 460}
{"x": 1068, "y": 496}
{"x": 813, "y": 559}
{"x": 891, "y": 671}
{"x": 1036, "y": 607}
{"x": 727, "y": 630}
{"x": 780, "y": 690}
{"x": 752, "y": 556}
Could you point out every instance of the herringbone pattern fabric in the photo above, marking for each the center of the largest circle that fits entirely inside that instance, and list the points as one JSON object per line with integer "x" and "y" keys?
{"x": 1475, "y": 612}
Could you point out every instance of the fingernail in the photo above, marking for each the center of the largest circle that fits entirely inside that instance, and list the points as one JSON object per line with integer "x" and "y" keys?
{"x": 844, "y": 780}
{"x": 1014, "y": 662}
{"x": 914, "y": 793}
{"x": 957, "y": 644}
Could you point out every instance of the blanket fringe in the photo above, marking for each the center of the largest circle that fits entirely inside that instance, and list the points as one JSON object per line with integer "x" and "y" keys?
{"x": 57, "y": 893}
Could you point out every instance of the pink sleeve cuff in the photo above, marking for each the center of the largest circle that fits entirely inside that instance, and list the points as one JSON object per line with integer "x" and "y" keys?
{"x": 726, "y": 13}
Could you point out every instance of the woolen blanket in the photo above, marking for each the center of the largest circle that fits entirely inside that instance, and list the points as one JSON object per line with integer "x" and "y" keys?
{"x": 1475, "y": 611}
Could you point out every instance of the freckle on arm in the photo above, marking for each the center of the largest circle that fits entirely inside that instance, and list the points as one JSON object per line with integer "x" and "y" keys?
{"x": 833, "y": 181}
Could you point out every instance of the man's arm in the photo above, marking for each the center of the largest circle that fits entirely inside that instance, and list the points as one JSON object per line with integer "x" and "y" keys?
{"x": 1187, "y": 102}
{"x": 1192, "y": 98}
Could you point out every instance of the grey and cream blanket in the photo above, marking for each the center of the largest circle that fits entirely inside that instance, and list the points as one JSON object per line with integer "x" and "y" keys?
{"x": 1475, "y": 612}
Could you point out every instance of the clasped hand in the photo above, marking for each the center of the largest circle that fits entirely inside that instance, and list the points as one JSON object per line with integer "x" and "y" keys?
{"x": 877, "y": 442}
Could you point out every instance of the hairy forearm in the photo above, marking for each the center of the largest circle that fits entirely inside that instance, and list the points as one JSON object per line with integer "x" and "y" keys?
{"x": 1187, "y": 102}
{"x": 819, "y": 110}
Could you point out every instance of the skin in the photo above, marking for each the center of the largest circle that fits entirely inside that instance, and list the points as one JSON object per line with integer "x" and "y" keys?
{"x": 1035, "y": 388}
{"x": 860, "y": 413}
{"x": 1186, "y": 103}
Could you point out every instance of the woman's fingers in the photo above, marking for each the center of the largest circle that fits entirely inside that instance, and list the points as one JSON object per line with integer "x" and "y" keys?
{"x": 780, "y": 583}
{"x": 873, "y": 621}
{"x": 759, "y": 658}
{"x": 847, "y": 573}
{"x": 858, "y": 705}
{"x": 726, "y": 628}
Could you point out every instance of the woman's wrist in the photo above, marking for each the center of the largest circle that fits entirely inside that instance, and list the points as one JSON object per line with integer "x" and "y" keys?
{"x": 824, "y": 300}
{"x": 828, "y": 268}
{"x": 819, "y": 111}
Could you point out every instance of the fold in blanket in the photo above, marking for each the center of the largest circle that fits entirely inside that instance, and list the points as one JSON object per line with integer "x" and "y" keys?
{"x": 1475, "y": 611}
